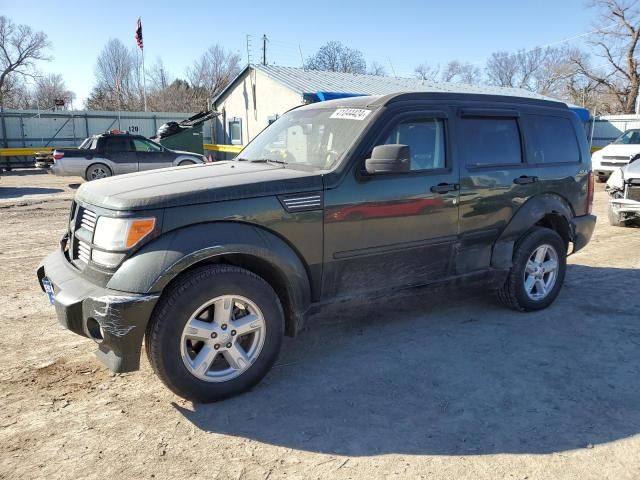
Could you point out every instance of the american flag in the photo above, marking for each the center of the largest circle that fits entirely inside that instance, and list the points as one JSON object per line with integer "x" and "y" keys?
{"x": 139, "y": 33}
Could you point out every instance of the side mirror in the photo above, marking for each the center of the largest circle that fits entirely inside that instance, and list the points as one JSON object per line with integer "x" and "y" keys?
{"x": 389, "y": 159}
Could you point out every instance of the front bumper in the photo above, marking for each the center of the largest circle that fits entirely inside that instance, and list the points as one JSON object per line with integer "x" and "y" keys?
{"x": 625, "y": 205}
{"x": 582, "y": 227}
{"x": 115, "y": 320}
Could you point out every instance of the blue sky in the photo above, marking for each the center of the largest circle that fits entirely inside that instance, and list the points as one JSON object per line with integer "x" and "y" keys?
{"x": 406, "y": 32}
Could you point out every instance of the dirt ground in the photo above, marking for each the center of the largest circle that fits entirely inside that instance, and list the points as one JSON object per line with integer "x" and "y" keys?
{"x": 440, "y": 385}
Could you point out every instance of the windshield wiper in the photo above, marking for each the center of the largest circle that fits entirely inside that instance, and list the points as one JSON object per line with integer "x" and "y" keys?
{"x": 268, "y": 160}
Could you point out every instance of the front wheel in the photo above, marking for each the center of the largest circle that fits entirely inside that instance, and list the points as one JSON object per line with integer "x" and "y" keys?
{"x": 537, "y": 272}
{"x": 215, "y": 333}
{"x": 186, "y": 162}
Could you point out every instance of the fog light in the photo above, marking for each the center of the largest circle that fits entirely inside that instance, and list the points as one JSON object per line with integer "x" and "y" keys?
{"x": 107, "y": 259}
{"x": 94, "y": 329}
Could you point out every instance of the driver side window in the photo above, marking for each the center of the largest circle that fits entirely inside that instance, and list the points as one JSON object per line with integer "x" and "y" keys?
{"x": 144, "y": 146}
{"x": 425, "y": 138}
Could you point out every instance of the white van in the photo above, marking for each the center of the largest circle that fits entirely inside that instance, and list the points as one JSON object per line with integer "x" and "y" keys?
{"x": 616, "y": 154}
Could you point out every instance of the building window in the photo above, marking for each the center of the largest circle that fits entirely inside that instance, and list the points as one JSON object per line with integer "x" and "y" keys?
{"x": 234, "y": 127}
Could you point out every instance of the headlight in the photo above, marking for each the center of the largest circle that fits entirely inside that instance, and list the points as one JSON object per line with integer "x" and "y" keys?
{"x": 121, "y": 233}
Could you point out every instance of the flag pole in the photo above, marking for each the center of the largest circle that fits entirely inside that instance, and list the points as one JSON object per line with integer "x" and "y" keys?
{"x": 144, "y": 82}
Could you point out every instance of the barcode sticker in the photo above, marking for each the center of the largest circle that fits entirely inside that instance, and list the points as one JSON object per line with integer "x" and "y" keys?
{"x": 351, "y": 113}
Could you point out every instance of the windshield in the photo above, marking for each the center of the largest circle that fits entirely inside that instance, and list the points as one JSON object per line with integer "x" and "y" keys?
{"x": 630, "y": 137}
{"x": 316, "y": 137}
{"x": 88, "y": 144}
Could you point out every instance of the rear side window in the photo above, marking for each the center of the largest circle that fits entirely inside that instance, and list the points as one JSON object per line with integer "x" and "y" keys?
{"x": 552, "y": 140}
{"x": 118, "y": 144}
{"x": 486, "y": 141}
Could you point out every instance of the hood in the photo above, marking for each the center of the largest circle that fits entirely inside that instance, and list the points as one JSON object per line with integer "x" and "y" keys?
{"x": 619, "y": 150}
{"x": 202, "y": 183}
{"x": 183, "y": 152}
{"x": 631, "y": 170}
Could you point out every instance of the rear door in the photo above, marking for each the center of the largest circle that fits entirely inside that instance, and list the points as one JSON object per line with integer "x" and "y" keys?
{"x": 119, "y": 149}
{"x": 495, "y": 180}
{"x": 151, "y": 155}
{"x": 395, "y": 230}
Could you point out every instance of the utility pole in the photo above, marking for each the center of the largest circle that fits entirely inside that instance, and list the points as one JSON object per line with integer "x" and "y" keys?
{"x": 248, "y": 49}
{"x": 264, "y": 49}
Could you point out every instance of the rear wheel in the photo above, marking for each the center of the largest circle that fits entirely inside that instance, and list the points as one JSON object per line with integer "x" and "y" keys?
{"x": 537, "y": 273}
{"x": 215, "y": 333}
{"x": 97, "y": 171}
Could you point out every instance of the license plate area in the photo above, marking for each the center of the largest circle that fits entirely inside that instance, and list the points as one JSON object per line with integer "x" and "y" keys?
{"x": 48, "y": 288}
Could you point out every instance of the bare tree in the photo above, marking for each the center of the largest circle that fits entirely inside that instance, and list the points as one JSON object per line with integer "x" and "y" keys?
{"x": 377, "y": 69}
{"x": 461, "y": 72}
{"x": 335, "y": 57}
{"x": 424, "y": 71}
{"x": 50, "y": 88}
{"x": 503, "y": 70}
{"x": 212, "y": 72}
{"x": 158, "y": 75}
{"x": 115, "y": 79}
{"x": 616, "y": 45}
{"x": 542, "y": 70}
{"x": 20, "y": 49}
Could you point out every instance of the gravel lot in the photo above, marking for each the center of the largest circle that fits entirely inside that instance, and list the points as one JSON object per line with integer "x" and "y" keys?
{"x": 436, "y": 385}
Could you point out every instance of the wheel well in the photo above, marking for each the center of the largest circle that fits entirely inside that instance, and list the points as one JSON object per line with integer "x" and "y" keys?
{"x": 559, "y": 224}
{"x": 265, "y": 271}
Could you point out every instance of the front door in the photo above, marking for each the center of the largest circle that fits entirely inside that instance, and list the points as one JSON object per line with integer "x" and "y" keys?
{"x": 119, "y": 149}
{"x": 393, "y": 230}
{"x": 151, "y": 155}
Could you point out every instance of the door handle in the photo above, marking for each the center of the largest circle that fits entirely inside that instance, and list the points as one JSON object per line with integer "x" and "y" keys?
{"x": 524, "y": 180}
{"x": 445, "y": 187}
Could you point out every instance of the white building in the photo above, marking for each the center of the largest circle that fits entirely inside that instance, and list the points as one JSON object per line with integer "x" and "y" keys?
{"x": 260, "y": 93}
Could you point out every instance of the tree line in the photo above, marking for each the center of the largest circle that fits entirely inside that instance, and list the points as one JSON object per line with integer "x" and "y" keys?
{"x": 605, "y": 78}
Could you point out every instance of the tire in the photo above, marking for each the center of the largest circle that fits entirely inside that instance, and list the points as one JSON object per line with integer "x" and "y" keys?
{"x": 96, "y": 171}
{"x": 172, "y": 356}
{"x": 186, "y": 162}
{"x": 513, "y": 293}
{"x": 615, "y": 219}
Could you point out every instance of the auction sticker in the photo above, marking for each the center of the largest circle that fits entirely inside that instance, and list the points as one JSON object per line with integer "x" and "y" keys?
{"x": 351, "y": 113}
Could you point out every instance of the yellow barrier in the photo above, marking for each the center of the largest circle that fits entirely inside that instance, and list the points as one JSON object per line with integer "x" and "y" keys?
{"x": 223, "y": 148}
{"x": 595, "y": 149}
{"x": 22, "y": 152}
{"x": 29, "y": 151}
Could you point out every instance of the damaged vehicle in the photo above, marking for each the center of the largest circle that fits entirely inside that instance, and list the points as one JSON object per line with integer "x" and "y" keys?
{"x": 209, "y": 266}
{"x": 623, "y": 188}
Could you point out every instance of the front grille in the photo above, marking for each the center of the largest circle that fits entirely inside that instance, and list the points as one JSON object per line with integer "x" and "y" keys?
{"x": 616, "y": 157}
{"x": 612, "y": 164}
{"x": 83, "y": 251}
{"x": 633, "y": 193}
{"x": 88, "y": 220}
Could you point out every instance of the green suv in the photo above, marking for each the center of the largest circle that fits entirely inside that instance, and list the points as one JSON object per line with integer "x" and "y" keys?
{"x": 210, "y": 265}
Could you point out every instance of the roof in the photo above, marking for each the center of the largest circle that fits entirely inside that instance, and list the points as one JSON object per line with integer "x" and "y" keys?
{"x": 384, "y": 100}
{"x": 312, "y": 81}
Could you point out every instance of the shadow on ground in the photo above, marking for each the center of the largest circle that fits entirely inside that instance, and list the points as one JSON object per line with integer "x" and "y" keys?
{"x": 16, "y": 192}
{"x": 453, "y": 374}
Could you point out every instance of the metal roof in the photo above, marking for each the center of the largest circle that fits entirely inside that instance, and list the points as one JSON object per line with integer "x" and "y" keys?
{"x": 311, "y": 81}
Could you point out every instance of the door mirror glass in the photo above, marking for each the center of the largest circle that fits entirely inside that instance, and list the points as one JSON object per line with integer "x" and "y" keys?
{"x": 395, "y": 158}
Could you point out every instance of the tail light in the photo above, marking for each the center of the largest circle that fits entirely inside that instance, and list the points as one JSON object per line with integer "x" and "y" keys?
{"x": 590, "y": 190}
{"x": 57, "y": 155}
